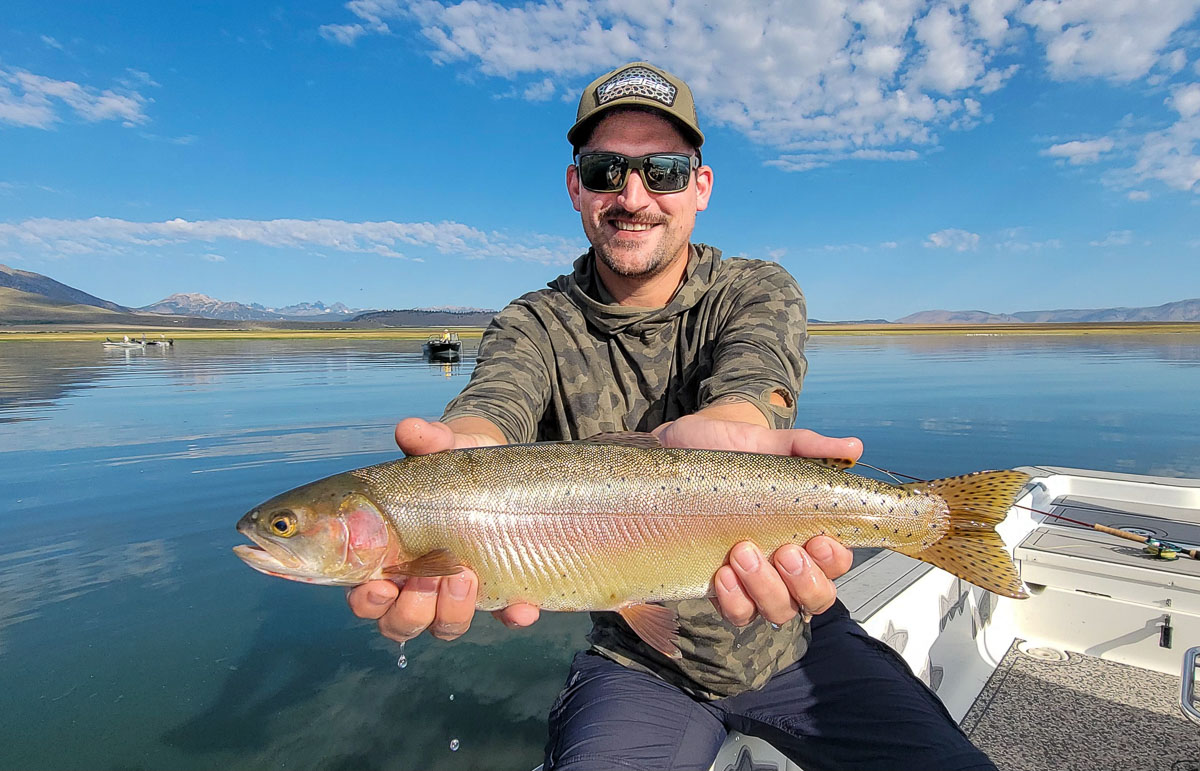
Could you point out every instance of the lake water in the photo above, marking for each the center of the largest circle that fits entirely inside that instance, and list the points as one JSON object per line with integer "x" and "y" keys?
{"x": 131, "y": 637}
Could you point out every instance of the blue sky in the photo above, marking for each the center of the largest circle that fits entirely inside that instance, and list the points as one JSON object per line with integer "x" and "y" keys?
{"x": 894, "y": 156}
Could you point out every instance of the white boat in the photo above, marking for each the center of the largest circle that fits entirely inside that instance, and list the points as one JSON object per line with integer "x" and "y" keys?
{"x": 126, "y": 343}
{"x": 1096, "y": 670}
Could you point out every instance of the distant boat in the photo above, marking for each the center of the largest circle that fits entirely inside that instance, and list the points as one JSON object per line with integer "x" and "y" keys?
{"x": 445, "y": 346}
{"x": 126, "y": 343}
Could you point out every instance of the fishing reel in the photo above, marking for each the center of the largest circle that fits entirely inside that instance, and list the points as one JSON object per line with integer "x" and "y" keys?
{"x": 1163, "y": 550}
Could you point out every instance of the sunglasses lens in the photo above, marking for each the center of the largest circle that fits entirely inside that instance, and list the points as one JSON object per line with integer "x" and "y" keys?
{"x": 603, "y": 172}
{"x": 607, "y": 172}
{"x": 667, "y": 173}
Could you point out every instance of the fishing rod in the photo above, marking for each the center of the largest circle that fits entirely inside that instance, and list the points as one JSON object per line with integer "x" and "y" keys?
{"x": 1158, "y": 547}
{"x": 1155, "y": 546}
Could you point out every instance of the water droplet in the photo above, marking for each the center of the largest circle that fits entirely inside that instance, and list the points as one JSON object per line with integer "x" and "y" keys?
{"x": 451, "y": 697}
{"x": 454, "y": 745}
{"x": 402, "y": 662}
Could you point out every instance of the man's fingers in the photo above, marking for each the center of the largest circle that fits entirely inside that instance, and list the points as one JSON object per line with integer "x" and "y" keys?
{"x": 807, "y": 584}
{"x": 413, "y": 611}
{"x": 415, "y": 436}
{"x": 810, "y": 444}
{"x": 372, "y": 599}
{"x": 762, "y": 583}
{"x": 731, "y": 600}
{"x": 521, "y": 614}
{"x": 829, "y": 554}
{"x": 455, "y": 605}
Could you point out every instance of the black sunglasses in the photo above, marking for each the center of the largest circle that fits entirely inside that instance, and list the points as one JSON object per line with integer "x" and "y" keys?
{"x": 661, "y": 172}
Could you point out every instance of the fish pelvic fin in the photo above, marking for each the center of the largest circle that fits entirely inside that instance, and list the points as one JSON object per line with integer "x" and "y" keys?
{"x": 656, "y": 625}
{"x": 972, "y": 549}
{"x": 439, "y": 562}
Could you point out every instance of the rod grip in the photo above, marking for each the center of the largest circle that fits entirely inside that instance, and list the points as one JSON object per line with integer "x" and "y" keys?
{"x": 1121, "y": 533}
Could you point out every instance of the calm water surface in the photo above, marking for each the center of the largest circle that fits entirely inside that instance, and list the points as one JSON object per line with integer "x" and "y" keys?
{"x": 131, "y": 637}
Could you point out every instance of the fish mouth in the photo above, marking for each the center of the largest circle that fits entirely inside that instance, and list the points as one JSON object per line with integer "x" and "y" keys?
{"x": 264, "y": 555}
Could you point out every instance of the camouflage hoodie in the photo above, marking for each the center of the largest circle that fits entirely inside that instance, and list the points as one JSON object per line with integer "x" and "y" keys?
{"x": 568, "y": 362}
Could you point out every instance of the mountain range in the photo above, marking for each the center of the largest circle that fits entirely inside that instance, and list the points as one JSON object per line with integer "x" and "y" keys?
{"x": 27, "y": 297}
{"x": 205, "y": 307}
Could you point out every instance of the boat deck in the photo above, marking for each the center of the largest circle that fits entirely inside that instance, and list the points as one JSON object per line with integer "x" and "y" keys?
{"x": 1084, "y": 714}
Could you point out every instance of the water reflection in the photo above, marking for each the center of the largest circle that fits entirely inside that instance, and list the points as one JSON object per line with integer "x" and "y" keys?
{"x": 39, "y": 575}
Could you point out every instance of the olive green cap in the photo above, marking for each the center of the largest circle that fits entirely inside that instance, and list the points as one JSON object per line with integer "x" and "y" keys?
{"x": 641, "y": 84}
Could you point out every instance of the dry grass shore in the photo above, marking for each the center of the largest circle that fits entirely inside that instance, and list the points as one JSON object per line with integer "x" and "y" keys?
{"x": 76, "y": 333}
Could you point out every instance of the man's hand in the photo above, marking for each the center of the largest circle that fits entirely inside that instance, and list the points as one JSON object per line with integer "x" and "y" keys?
{"x": 794, "y": 580}
{"x": 446, "y": 605}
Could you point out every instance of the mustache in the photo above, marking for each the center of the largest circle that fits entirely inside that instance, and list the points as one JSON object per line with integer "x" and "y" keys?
{"x": 620, "y": 212}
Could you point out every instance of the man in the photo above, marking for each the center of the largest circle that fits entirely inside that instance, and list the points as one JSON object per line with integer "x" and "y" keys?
{"x": 653, "y": 333}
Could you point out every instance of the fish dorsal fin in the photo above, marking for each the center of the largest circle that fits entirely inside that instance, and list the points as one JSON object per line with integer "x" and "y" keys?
{"x": 627, "y": 438}
{"x": 439, "y": 562}
{"x": 657, "y": 625}
{"x": 837, "y": 464}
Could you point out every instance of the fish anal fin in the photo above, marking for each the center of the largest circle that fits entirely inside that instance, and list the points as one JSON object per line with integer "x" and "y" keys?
{"x": 439, "y": 562}
{"x": 837, "y": 464}
{"x": 656, "y": 625}
{"x": 971, "y": 548}
{"x": 626, "y": 438}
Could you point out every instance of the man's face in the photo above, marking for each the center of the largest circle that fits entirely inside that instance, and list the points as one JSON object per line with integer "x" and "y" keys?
{"x": 635, "y": 232}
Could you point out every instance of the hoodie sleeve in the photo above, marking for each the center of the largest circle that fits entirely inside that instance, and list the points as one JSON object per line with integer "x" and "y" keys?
{"x": 760, "y": 348}
{"x": 511, "y": 384}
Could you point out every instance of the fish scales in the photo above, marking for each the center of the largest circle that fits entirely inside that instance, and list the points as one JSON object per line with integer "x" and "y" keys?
{"x": 577, "y": 525}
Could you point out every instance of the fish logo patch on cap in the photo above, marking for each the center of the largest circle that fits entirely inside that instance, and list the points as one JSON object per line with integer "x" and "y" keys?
{"x": 636, "y": 81}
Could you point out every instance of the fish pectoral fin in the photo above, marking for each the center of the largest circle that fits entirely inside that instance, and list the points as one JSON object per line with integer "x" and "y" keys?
{"x": 657, "y": 625}
{"x": 626, "y": 438}
{"x": 837, "y": 464}
{"x": 439, "y": 562}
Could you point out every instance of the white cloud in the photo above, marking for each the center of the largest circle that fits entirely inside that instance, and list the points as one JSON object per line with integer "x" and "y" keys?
{"x": 1080, "y": 151}
{"x": 1138, "y": 195}
{"x": 540, "y": 92}
{"x": 844, "y": 80}
{"x": 953, "y": 238}
{"x": 1116, "y": 39}
{"x": 214, "y": 257}
{"x": 108, "y": 235}
{"x": 806, "y": 161}
{"x": 1185, "y": 100}
{"x": 51, "y": 42}
{"x": 1115, "y": 238}
{"x": 346, "y": 34}
{"x": 34, "y": 101}
{"x": 837, "y": 82}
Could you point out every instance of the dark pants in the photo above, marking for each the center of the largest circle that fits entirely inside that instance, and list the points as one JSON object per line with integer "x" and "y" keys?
{"x": 850, "y": 703}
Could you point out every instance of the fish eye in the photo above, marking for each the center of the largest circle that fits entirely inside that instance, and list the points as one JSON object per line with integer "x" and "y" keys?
{"x": 283, "y": 523}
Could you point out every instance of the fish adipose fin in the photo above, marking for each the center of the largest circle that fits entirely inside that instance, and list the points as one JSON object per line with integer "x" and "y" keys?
{"x": 837, "y": 464}
{"x": 657, "y": 625}
{"x": 972, "y": 549}
{"x": 439, "y": 562}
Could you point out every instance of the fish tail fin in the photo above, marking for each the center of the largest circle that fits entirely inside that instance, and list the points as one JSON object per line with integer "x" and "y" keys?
{"x": 972, "y": 549}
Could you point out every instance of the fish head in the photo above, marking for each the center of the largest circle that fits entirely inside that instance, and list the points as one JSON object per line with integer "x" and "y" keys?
{"x": 326, "y": 532}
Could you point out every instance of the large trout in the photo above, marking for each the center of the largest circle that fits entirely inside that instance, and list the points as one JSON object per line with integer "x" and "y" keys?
{"x": 614, "y": 523}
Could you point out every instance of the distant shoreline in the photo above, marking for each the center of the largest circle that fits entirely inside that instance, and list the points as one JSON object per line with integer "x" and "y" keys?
{"x": 78, "y": 333}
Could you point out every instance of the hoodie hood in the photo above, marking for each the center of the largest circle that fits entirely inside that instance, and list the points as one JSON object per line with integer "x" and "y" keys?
{"x": 586, "y": 290}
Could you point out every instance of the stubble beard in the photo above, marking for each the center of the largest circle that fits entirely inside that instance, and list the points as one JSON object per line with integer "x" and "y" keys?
{"x": 624, "y": 261}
